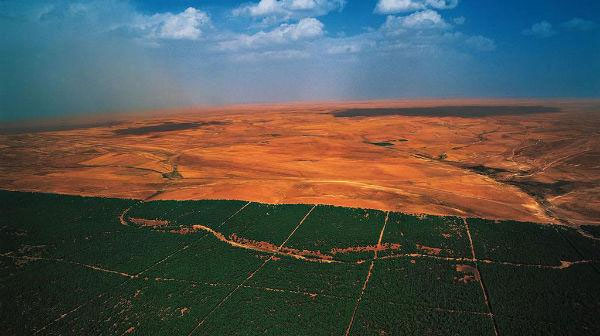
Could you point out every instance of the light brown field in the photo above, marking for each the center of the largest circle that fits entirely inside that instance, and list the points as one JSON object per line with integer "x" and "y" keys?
{"x": 537, "y": 167}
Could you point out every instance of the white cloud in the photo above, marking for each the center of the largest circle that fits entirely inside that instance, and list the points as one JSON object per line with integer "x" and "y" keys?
{"x": 425, "y": 33}
{"x": 186, "y": 25}
{"x": 540, "y": 29}
{"x": 263, "y": 8}
{"x": 399, "y": 6}
{"x": 115, "y": 16}
{"x": 579, "y": 24}
{"x": 426, "y": 19}
{"x": 305, "y": 29}
{"x": 271, "y": 55}
{"x": 441, "y": 4}
{"x": 481, "y": 43}
{"x": 282, "y": 10}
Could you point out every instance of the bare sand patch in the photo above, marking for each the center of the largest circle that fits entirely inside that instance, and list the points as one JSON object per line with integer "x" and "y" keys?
{"x": 148, "y": 222}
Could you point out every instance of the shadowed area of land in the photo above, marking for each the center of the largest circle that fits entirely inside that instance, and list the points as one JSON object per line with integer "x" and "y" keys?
{"x": 447, "y": 111}
{"x": 166, "y": 127}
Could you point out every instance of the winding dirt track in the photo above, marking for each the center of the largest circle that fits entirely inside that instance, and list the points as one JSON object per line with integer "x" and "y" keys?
{"x": 327, "y": 256}
{"x": 540, "y": 167}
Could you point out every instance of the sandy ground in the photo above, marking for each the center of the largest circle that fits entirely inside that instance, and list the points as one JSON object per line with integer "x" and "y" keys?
{"x": 541, "y": 167}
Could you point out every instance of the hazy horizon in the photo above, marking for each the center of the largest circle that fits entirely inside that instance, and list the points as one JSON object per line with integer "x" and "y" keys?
{"x": 62, "y": 58}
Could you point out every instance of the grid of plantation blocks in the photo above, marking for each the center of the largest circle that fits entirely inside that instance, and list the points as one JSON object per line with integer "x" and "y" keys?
{"x": 78, "y": 266}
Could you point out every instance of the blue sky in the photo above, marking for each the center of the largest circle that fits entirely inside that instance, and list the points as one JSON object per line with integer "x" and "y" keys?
{"x": 61, "y": 57}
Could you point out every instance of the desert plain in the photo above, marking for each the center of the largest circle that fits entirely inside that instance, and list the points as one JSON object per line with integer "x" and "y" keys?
{"x": 525, "y": 160}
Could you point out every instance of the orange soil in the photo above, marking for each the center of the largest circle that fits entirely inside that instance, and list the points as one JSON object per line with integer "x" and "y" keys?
{"x": 148, "y": 222}
{"x": 429, "y": 250}
{"x": 301, "y": 153}
{"x": 470, "y": 273}
{"x": 369, "y": 248}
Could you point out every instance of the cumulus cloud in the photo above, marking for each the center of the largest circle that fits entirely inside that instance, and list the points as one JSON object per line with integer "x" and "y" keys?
{"x": 307, "y": 28}
{"x": 442, "y": 4}
{"x": 425, "y": 33}
{"x": 101, "y": 69}
{"x": 282, "y": 10}
{"x": 426, "y": 19}
{"x": 112, "y": 16}
{"x": 579, "y": 24}
{"x": 186, "y": 25}
{"x": 399, "y": 6}
{"x": 540, "y": 29}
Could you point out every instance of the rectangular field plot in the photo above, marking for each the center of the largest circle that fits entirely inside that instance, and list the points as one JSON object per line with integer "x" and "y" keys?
{"x": 563, "y": 301}
{"x": 258, "y": 312}
{"x": 55, "y": 225}
{"x": 587, "y": 246}
{"x": 374, "y": 317}
{"x": 69, "y": 248}
{"x": 144, "y": 307}
{"x": 35, "y": 298}
{"x": 335, "y": 279}
{"x": 525, "y": 326}
{"x": 265, "y": 222}
{"x": 53, "y": 215}
{"x": 12, "y": 267}
{"x": 519, "y": 242}
{"x": 426, "y": 283}
{"x": 340, "y": 233}
{"x": 211, "y": 261}
{"x": 132, "y": 250}
{"x": 185, "y": 213}
{"x": 436, "y": 235}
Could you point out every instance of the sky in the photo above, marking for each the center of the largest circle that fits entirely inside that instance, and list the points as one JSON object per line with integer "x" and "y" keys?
{"x": 91, "y": 56}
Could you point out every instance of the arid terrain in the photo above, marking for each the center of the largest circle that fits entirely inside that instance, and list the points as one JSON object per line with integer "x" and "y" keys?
{"x": 527, "y": 160}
